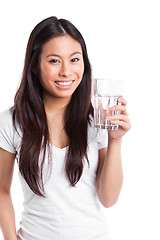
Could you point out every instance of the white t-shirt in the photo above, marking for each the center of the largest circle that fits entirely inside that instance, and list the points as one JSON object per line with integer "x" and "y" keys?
{"x": 67, "y": 212}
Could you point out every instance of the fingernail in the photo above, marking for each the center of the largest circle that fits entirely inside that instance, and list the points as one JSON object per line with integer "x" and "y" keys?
{"x": 113, "y": 121}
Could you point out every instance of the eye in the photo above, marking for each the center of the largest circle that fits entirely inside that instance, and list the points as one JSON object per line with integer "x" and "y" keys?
{"x": 54, "y": 61}
{"x": 75, "y": 60}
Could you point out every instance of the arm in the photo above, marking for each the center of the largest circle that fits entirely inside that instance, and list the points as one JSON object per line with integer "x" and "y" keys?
{"x": 109, "y": 173}
{"x": 7, "y": 216}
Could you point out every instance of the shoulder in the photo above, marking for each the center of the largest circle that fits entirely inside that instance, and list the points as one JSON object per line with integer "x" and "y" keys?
{"x": 6, "y": 117}
{"x": 8, "y": 113}
{"x": 9, "y": 136}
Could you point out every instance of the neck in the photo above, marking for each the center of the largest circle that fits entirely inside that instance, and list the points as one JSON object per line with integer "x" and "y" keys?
{"x": 54, "y": 105}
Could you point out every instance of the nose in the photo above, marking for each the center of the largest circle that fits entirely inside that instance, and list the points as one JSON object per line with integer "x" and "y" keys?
{"x": 65, "y": 70}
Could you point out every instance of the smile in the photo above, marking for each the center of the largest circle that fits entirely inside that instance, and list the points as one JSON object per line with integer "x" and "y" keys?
{"x": 64, "y": 83}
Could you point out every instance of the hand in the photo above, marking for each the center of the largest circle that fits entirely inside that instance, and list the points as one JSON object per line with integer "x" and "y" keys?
{"x": 121, "y": 120}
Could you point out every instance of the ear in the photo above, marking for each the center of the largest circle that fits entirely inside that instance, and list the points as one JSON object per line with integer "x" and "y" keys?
{"x": 35, "y": 70}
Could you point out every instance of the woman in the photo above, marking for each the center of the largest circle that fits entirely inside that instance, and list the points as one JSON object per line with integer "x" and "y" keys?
{"x": 66, "y": 169}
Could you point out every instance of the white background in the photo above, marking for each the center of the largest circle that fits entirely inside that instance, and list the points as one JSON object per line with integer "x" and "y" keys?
{"x": 123, "y": 40}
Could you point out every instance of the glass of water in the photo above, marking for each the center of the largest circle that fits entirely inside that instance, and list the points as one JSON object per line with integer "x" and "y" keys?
{"x": 106, "y": 93}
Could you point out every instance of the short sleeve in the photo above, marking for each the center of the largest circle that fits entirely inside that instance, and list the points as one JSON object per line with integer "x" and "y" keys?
{"x": 102, "y": 138}
{"x": 7, "y": 131}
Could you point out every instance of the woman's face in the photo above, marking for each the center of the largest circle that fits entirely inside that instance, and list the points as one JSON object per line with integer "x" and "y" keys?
{"x": 61, "y": 67}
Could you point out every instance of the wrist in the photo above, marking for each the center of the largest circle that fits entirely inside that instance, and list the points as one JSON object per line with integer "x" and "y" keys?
{"x": 114, "y": 140}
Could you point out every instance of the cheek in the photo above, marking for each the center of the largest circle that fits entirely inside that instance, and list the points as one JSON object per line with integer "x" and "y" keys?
{"x": 46, "y": 72}
{"x": 80, "y": 70}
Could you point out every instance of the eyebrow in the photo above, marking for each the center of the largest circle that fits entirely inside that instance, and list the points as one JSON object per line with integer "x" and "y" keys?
{"x": 56, "y": 55}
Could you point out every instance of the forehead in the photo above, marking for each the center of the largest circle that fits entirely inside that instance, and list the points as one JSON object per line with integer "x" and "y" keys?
{"x": 61, "y": 45}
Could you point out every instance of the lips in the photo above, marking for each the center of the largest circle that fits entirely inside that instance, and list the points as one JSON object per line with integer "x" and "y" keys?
{"x": 64, "y": 83}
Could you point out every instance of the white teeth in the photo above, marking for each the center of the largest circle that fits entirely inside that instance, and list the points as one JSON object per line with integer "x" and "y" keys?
{"x": 64, "y": 83}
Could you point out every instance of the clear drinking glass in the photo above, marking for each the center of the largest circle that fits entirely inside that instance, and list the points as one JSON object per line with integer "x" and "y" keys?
{"x": 106, "y": 93}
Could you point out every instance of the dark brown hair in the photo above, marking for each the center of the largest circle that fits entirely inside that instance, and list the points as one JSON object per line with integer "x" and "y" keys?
{"x": 30, "y": 114}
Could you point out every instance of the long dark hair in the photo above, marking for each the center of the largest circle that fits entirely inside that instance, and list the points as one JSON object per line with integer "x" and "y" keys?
{"x": 30, "y": 113}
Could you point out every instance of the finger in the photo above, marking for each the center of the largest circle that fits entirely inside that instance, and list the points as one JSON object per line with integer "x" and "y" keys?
{"x": 125, "y": 125}
{"x": 121, "y": 108}
{"x": 119, "y": 117}
{"x": 122, "y": 100}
